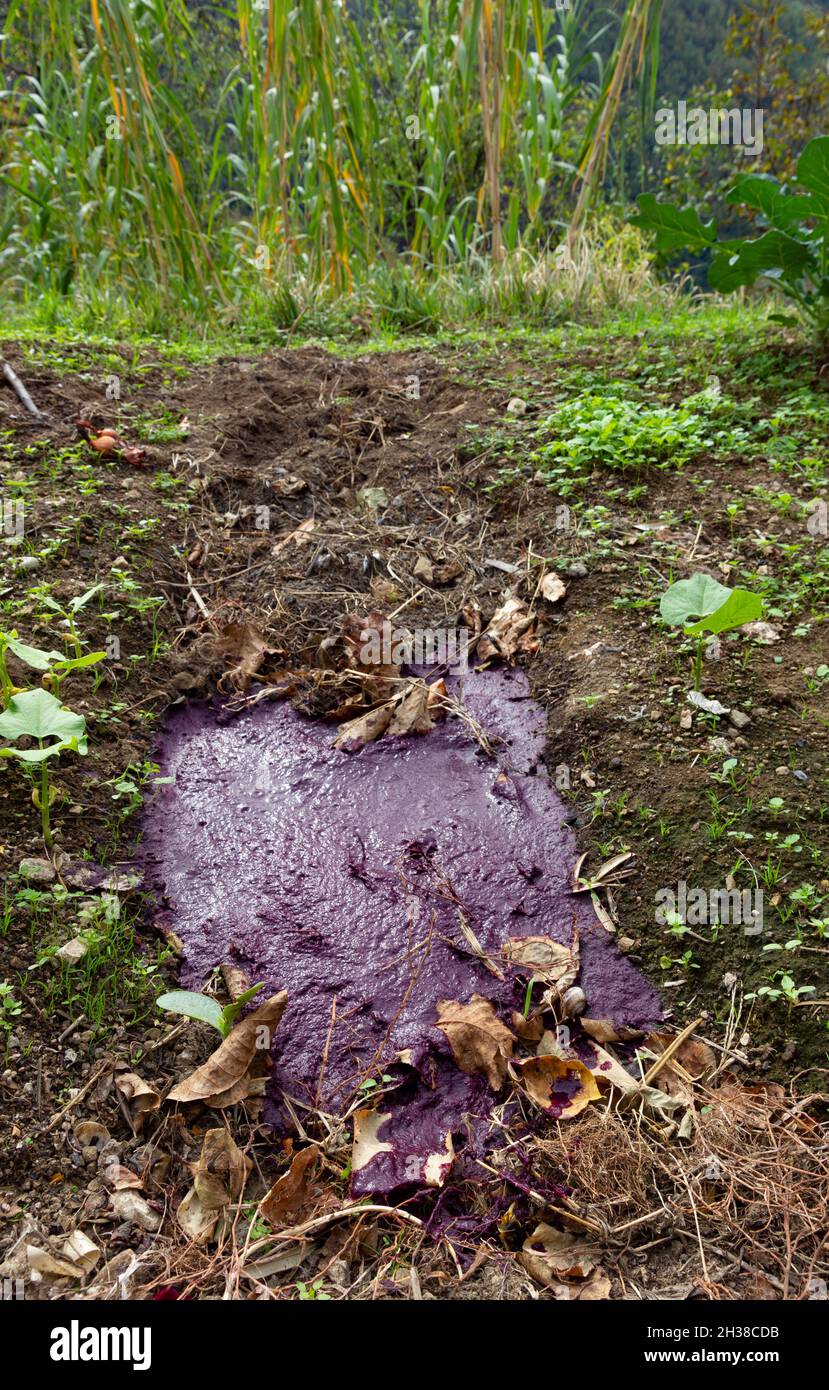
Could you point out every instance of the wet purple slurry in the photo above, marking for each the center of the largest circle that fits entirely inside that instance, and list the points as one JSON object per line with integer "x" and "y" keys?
{"x": 342, "y": 875}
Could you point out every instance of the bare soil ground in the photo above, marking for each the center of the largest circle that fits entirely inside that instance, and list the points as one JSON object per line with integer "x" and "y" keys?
{"x": 361, "y": 469}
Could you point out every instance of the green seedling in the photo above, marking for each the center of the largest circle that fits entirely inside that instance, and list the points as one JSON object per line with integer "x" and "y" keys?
{"x": 70, "y": 613}
{"x": 716, "y": 608}
{"x": 204, "y": 1007}
{"x": 37, "y": 715}
{"x": 32, "y": 656}
{"x": 55, "y": 666}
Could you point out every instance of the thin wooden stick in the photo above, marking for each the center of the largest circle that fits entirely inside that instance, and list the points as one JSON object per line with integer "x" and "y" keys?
{"x": 20, "y": 391}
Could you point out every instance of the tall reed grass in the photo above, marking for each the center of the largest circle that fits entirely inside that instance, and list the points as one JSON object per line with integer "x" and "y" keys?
{"x": 200, "y": 155}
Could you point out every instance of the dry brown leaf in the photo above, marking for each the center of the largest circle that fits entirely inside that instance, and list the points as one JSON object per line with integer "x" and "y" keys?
{"x": 552, "y": 588}
{"x": 292, "y": 1191}
{"x": 356, "y": 733}
{"x": 562, "y": 1087}
{"x": 367, "y": 641}
{"x": 244, "y": 646}
{"x": 418, "y": 710}
{"x": 141, "y": 1099}
{"x": 480, "y": 1042}
{"x": 299, "y": 536}
{"x": 197, "y": 1221}
{"x": 366, "y": 1144}
{"x": 551, "y": 1256}
{"x": 222, "y": 1169}
{"x": 545, "y": 958}
{"x": 509, "y": 633}
{"x": 222, "y": 1080}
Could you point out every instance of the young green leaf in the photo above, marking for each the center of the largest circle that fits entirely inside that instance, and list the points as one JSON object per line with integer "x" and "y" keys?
{"x": 692, "y": 598}
{"x": 194, "y": 1005}
{"x": 37, "y": 714}
{"x": 741, "y": 606}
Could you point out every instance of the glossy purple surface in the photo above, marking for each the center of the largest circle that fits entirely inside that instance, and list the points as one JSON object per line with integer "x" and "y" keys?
{"x": 342, "y": 876}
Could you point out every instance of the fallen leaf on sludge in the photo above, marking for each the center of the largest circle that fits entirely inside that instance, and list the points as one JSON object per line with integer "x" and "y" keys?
{"x": 356, "y": 733}
{"x": 141, "y": 1099}
{"x": 510, "y": 632}
{"x": 604, "y": 1030}
{"x": 562, "y": 1088}
{"x": 366, "y": 1144}
{"x": 245, "y": 648}
{"x": 222, "y": 1080}
{"x": 292, "y": 1191}
{"x": 480, "y": 1042}
{"x": 545, "y": 958}
{"x": 418, "y": 710}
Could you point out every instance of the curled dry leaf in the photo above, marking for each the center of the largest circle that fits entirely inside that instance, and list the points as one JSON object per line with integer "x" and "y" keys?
{"x": 293, "y": 1191}
{"x": 245, "y": 648}
{"x": 545, "y": 958}
{"x": 510, "y": 633}
{"x": 604, "y": 1030}
{"x": 81, "y": 1251}
{"x": 480, "y": 1042}
{"x": 563, "y": 1263}
{"x": 560, "y": 1087}
{"x": 141, "y": 1099}
{"x": 219, "y": 1178}
{"x": 223, "y": 1080}
{"x": 414, "y": 710}
{"x": 371, "y": 650}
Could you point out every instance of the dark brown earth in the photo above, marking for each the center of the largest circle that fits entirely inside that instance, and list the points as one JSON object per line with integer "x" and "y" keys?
{"x": 305, "y": 434}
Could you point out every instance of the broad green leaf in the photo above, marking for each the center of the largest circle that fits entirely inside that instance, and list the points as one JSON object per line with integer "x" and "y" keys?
{"x": 194, "y": 1005}
{"x": 78, "y": 603}
{"x": 741, "y": 606}
{"x": 784, "y": 211}
{"x": 37, "y": 714}
{"x": 692, "y": 598}
{"x": 813, "y": 170}
{"x": 774, "y": 255}
{"x": 33, "y": 656}
{"x": 74, "y": 663}
{"x": 673, "y": 228}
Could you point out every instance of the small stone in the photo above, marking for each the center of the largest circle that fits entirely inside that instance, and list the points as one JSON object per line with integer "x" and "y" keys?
{"x": 729, "y": 979}
{"x": 516, "y": 406}
{"x": 625, "y": 943}
{"x": 686, "y": 719}
{"x": 800, "y": 775}
{"x": 577, "y": 569}
{"x": 37, "y": 870}
{"x": 763, "y": 633}
{"x": 30, "y": 562}
{"x": 782, "y": 771}
{"x": 789, "y": 1051}
{"x": 739, "y": 719}
{"x": 72, "y": 952}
